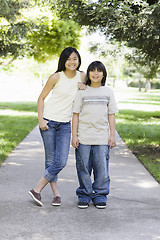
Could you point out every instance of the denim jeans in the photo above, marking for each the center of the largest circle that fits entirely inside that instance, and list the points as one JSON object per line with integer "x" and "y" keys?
{"x": 96, "y": 158}
{"x": 56, "y": 144}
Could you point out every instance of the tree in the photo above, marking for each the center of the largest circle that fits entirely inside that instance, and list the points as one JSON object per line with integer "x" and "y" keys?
{"x": 30, "y": 28}
{"x": 51, "y": 37}
{"x": 12, "y": 30}
{"x": 135, "y": 23}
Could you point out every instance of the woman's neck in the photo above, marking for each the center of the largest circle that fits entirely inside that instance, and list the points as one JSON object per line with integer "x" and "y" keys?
{"x": 70, "y": 74}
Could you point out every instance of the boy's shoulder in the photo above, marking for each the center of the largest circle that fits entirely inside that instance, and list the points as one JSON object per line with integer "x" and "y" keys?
{"x": 82, "y": 92}
{"x": 89, "y": 89}
{"x": 107, "y": 88}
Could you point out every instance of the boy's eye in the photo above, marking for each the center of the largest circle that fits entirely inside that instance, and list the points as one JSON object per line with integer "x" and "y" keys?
{"x": 96, "y": 70}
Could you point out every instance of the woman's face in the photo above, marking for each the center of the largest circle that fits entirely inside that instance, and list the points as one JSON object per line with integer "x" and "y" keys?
{"x": 72, "y": 62}
{"x": 96, "y": 77}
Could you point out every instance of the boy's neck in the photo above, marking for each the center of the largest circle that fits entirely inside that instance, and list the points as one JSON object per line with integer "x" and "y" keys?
{"x": 95, "y": 85}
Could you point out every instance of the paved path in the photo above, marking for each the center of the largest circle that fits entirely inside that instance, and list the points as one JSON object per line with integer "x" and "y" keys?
{"x": 133, "y": 209}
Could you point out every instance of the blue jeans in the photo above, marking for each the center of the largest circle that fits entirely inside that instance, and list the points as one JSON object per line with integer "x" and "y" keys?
{"x": 56, "y": 144}
{"x": 96, "y": 158}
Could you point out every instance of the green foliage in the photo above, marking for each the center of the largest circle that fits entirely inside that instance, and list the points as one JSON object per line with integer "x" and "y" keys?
{"x": 12, "y": 42}
{"x": 51, "y": 37}
{"x": 11, "y": 9}
{"x": 27, "y": 29}
{"x": 136, "y": 23}
{"x": 13, "y": 30}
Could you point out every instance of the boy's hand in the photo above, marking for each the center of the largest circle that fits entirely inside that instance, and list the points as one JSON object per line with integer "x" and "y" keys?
{"x": 75, "y": 142}
{"x": 112, "y": 142}
{"x": 81, "y": 86}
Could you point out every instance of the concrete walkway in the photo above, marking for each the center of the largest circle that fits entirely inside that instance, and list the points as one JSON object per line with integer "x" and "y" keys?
{"x": 132, "y": 212}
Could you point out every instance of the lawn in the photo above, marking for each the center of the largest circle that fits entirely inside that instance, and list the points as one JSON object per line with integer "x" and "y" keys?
{"x": 16, "y": 121}
{"x": 141, "y": 129}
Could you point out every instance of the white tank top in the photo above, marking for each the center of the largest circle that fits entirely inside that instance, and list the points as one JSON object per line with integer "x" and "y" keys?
{"x": 59, "y": 106}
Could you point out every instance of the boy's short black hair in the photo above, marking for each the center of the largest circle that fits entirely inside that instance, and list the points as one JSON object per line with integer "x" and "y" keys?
{"x": 100, "y": 67}
{"x": 64, "y": 56}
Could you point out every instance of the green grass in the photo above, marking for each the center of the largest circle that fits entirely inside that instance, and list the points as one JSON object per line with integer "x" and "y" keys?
{"x": 19, "y": 106}
{"x": 15, "y": 124}
{"x": 132, "y": 94}
{"x": 141, "y": 131}
{"x": 141, "y": 102}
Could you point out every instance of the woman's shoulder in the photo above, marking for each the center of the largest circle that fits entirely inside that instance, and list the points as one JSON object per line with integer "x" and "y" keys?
{"x": 55, "y": 76}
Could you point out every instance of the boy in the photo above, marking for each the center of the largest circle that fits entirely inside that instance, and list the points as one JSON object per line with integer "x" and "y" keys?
{"x": 93, "y": 116}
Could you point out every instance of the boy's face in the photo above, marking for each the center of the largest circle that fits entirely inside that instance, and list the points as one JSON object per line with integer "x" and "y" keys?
{"x": 96, "y": 77}
{"x": 72, "y": 62}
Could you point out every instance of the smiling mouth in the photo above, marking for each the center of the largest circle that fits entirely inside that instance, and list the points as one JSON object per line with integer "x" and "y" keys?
{"x": 72, "y": 65}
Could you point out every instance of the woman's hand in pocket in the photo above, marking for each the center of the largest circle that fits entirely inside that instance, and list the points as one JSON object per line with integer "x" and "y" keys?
{"x": 43, "y": 124}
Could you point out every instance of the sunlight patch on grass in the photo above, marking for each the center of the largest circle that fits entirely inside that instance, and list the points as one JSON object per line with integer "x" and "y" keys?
{"x": 16, "y": 113}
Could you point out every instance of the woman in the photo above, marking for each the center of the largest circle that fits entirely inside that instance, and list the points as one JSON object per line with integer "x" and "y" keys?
{"x": 54, "y": 119}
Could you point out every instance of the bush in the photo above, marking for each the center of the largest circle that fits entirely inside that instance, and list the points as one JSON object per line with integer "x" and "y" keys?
{"x": 154, "y": 84}
{"x": 136, "y": 84}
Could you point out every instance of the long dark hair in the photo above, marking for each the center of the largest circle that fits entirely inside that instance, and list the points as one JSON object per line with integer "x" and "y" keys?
{"x": 100, "y": 67}
{"x": 64, "y": 56}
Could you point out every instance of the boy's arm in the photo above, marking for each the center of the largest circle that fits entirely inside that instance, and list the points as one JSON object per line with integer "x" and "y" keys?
{"x": 112, "y": 123}
{"x": 75, "y": 121}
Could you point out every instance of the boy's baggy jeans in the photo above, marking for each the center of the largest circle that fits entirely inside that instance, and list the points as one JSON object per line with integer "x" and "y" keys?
{"x": 96, "y": 158}
{"x": 56, "y": 144}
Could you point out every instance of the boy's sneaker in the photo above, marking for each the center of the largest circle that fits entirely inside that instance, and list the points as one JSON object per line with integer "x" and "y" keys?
{"x": 83, "y": 205}
{"x": 100, "y": 205}
{"x": 36, "y": 197}
{"x": 56, "y": 201}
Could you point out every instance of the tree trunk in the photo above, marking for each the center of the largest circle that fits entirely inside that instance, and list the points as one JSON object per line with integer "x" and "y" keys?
{"x": 140, "y": 85}
{"x": 147, "y": 85}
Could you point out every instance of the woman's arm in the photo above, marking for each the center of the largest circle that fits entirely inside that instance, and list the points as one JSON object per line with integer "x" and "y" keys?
{"x": 81, "y": 85}
{"x": 112, "y": 124}
{"x": 53, "y": 79}
{"x": 83, "y": 77}
{"x": 75, "y": 121}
